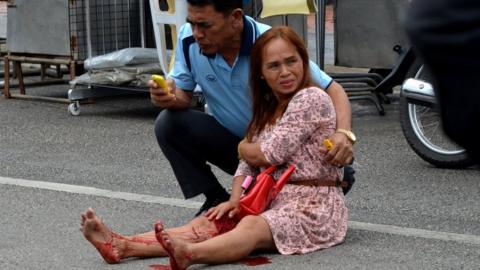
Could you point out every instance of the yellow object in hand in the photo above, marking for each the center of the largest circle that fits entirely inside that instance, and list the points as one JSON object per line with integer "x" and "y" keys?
{"x": 328, "y": 144}
{"x": 161, "y": 82}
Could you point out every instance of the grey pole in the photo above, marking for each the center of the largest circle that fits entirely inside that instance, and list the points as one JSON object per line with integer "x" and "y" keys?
{"x": 142, "y": 23}
{"x": 88, "y": 25}
{"x": 320, "y": 33}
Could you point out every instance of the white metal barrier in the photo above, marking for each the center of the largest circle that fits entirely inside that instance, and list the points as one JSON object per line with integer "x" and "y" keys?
{"x": 175, "y": 17}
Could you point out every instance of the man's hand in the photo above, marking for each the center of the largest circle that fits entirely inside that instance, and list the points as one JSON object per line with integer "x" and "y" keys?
{"x": 160, "y": 97}
{"x": 342, "y": 152}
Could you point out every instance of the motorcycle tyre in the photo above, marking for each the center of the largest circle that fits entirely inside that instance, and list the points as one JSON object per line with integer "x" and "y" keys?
{"x": 450, "y": 161}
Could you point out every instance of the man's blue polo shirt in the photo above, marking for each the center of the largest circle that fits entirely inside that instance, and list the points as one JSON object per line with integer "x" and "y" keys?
{"x": 226, "y": 89}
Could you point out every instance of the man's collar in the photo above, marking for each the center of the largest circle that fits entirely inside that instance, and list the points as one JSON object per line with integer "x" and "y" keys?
{"x": 248, "y": 36}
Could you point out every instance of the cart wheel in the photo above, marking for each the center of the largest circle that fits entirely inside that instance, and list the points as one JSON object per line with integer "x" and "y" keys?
{"x": 74, "y": 108}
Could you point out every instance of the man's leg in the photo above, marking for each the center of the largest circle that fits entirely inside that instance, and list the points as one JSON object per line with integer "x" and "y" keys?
{"x": 189, "y": 139}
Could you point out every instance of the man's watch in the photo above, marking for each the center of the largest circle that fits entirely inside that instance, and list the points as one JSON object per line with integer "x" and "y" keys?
{"x": 350, "y": 135}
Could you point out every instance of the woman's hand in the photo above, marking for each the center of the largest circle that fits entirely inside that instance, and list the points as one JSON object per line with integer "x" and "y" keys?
{"x": 218, "y": 211}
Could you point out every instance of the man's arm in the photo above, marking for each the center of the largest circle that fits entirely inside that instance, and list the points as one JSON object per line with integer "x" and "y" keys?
{"x": 342, "y": 151}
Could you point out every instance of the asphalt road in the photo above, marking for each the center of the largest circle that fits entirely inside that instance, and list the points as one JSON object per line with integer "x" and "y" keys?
{"x": 404, "y": 213}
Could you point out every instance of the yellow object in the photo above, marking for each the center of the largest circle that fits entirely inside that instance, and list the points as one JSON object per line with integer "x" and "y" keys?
{"x": 328, "y": 144}
{"x": 282, "y": 7}
{"x": 161, "y": 82}
{"x": 171, "y": 10}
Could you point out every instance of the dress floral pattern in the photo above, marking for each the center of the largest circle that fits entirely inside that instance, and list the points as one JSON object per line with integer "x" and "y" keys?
{"x": 303, "y": 219}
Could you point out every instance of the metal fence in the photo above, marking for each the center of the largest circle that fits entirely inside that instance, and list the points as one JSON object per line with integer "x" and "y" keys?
{"x": 98, "y": 27}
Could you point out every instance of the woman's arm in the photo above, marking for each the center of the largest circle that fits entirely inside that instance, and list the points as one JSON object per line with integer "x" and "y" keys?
{"x": 237, "y": 189}
{"x": 308, "y": 110}
{"x": 252, "y": 153}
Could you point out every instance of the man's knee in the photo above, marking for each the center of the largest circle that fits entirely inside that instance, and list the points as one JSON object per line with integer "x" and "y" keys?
{"x": 166, "y": 124}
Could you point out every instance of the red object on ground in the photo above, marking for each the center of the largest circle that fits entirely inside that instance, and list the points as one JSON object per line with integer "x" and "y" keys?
{"x": 254, "y": 261}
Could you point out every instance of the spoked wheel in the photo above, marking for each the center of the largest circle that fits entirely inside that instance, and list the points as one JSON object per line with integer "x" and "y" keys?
{"x": 423, "y": 130}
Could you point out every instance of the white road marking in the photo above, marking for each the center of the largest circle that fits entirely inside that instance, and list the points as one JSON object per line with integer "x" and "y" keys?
{"x": 414, "y": 232}
{"x": 355, "y": 225}
{"x": 84, "y": 190}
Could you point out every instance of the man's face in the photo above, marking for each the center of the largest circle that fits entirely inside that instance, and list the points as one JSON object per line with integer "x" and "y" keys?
{"x": 211, "y": 29}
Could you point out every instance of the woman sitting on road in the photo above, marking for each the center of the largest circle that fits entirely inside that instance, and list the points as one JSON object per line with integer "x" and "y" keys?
{"x": 291, "y": 117}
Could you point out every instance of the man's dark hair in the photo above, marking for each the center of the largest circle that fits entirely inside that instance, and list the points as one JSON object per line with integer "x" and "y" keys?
{"x": 223, "y": 6}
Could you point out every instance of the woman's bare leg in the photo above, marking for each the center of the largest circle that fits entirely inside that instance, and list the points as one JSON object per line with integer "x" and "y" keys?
{"x": 250, "y": 234}
{"x": 114, "y": 247}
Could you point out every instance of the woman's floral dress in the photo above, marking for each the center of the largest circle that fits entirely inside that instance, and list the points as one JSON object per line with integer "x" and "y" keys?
{"x": 303, "y": 218}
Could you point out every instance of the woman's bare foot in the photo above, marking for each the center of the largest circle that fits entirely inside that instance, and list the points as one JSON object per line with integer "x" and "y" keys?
{"x": 180, "y": 257}
{"x": 109, "y": 244}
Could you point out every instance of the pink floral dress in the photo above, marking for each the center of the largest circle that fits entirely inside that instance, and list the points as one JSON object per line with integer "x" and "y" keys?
{"x": 303, "y": 219}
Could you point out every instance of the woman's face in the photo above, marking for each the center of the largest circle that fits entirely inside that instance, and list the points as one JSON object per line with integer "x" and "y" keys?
{"x": 282, "y": 67}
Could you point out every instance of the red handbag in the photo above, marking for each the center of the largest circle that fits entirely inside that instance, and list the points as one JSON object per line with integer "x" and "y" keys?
{"x": 265, "y": 188}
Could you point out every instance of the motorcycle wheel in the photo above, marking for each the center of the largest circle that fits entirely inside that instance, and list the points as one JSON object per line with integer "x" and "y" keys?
{"x": 422, "y": 128}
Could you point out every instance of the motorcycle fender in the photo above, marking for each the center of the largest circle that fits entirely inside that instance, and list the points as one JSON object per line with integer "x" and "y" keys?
{"x": 418, "y": 91}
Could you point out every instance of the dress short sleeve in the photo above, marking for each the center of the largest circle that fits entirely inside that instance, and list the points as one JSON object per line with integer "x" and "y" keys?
{"x": 244, "y": 169}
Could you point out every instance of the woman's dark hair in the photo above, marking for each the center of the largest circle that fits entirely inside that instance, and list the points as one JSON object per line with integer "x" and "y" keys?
{"x": 264, "y": 103}
{"x": 223, "y": 6}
